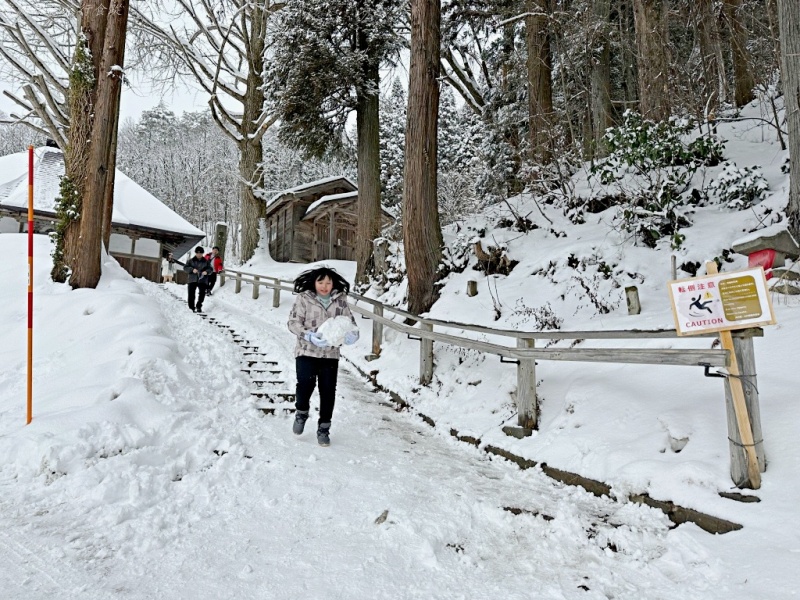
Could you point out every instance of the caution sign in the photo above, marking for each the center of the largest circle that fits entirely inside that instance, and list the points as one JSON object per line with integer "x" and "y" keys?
{"x": 721, "y": 302}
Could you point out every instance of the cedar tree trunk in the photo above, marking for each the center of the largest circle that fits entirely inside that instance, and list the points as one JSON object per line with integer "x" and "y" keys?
{"x": 422, "y": 234}
{"x": 369, "y": 175}
{"x": 742, "y": 72}
{"x": 99, "y": 169}
{"x": 789, "y": 19}
{"x": 540, "y": 84}
{"x": 652, "y": 44}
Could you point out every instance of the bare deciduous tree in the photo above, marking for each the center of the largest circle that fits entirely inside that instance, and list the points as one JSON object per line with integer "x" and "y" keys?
{"x": 223, "y": 47}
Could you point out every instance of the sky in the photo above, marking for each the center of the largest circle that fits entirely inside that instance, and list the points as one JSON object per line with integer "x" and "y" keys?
{"x": 151, "y": 471}
{"x": 138, "y": 97}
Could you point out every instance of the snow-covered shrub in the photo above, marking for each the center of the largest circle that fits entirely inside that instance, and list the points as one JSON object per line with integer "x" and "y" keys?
{"x": 455, "y": 256}
{"x": 739, "y": 188}
{"x": 651, "y": 166}
{"x": 646, "y": 146}
{"x": 655, "y": 214}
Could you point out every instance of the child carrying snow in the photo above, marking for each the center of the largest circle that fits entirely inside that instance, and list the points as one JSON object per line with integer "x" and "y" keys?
{"x": 321, "y": 296}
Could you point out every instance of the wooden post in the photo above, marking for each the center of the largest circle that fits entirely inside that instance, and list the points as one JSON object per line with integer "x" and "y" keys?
{"x": 632, "y": 297}
{"x": 527, "y": 405}
{"x": 674, "y": 267}
{"x": 377, "y": 331}
{"x": 331, "y": 237}
{"x": 276, "y": 294}
{"x": 752, "y": 478}
{"x": 472, "y": 288}
{"x": 425, "y": 356}
{"x": 238, "y": 283}
{"x": 222, "y": 278}
{"x": 221, "y": 238}
{"x": 256, "y": 280}
{"x": 745, "y": 356}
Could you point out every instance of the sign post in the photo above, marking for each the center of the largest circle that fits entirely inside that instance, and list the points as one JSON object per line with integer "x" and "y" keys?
{"x": 30, "y": 285}
{"x": 722, "y": 303}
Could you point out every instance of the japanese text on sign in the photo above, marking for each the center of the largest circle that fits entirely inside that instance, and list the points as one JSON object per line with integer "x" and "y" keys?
{"x": 721, "y": 302}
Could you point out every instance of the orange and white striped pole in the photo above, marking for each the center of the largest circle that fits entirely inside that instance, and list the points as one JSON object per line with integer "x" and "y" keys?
{"x": 30, "y": 285}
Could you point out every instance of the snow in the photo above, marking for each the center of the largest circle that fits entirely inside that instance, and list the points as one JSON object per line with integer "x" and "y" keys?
{"x": 334, "y": 330}
{"x": 766, "y": 232}
{"x": 133, "y": 205}
{"x": 311, "y": 184}
{"x": 149, "y": 472}
{"x": 330, "y": 198}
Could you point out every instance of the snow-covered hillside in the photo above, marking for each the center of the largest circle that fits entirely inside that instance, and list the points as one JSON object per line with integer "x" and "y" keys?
{"x": 149, "y": 472}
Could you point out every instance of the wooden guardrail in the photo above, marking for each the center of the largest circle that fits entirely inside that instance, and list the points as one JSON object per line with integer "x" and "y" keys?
{"x": 524, "y": 354}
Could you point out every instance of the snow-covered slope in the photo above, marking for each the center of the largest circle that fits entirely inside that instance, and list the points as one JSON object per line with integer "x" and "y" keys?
{"x": 148, "y": 471}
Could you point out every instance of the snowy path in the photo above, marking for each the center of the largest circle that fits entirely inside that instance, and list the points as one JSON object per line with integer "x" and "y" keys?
{"x": 220, "y": 501}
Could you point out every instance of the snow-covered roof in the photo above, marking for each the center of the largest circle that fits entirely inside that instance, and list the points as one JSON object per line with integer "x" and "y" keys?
{"x": 133, "y": 205}
{"x": 307, "y": 186}
{"x": 331, "y": 198}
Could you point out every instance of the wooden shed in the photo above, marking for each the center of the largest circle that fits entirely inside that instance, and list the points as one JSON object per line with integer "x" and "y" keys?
{"x": 299, "y": 221}
{"x": 332, "y": 222}
{"x": 288, "y": 240}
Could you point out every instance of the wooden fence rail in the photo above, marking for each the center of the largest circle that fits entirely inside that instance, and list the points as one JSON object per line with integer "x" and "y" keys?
{"x": 524, "y": 353}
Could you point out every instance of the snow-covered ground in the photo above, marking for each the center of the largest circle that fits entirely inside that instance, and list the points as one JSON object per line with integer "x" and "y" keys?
{"x": 149, "y": 471}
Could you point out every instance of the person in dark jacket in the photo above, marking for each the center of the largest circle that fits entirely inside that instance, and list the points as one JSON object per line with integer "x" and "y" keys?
{"x": 198, "y": 269}
{"x": 216, "y": 263}
{"x": 321, "y": 295}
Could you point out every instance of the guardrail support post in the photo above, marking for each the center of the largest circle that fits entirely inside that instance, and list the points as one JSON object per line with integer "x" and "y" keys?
{"x": 746, "y": 358}
{"x": 238, "y": 283}
{"x": 256, "y": 280}
{"x": 527, "y": 404}
{"x": 425, "y": 356}
{"x": 222, "y": 279}
{"x": 276, "y": 294}
{"x": 377, "y": 332}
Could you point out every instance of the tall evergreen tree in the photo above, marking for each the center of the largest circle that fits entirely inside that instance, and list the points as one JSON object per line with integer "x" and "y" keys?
{"x": 393, "y": 139}
{"x": 743, "y": 79}
{"x": 653, "y": 56}
{"x": 789, "y": 18}
{"x": 326, "y": 65}
{"x": 422, "y": 233}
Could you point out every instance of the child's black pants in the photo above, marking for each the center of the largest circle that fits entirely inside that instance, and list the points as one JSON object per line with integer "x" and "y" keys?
{"x": 311, "y": 370}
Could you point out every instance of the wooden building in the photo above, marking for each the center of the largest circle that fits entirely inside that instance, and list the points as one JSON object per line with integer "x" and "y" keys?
{"x": 143, "y": 229}
{"x": 315, "y": 221}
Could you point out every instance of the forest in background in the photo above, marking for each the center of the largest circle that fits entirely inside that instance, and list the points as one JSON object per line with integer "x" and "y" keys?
{"x": 529, "y": 90}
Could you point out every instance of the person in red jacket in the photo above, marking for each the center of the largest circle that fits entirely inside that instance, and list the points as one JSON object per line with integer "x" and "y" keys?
{"x": 216, "y": 262}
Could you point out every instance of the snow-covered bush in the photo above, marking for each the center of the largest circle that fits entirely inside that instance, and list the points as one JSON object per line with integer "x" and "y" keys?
{"x": 739, "y": 188}
{"x": 653, "y": 215}
{"x": 650, "y": 166}
{"x": 646, "y": 147}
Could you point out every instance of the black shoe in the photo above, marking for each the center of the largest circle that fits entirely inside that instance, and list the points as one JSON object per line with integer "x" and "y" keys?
{"x": 199, "y": 309}
{"x": 191, "y": 308}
